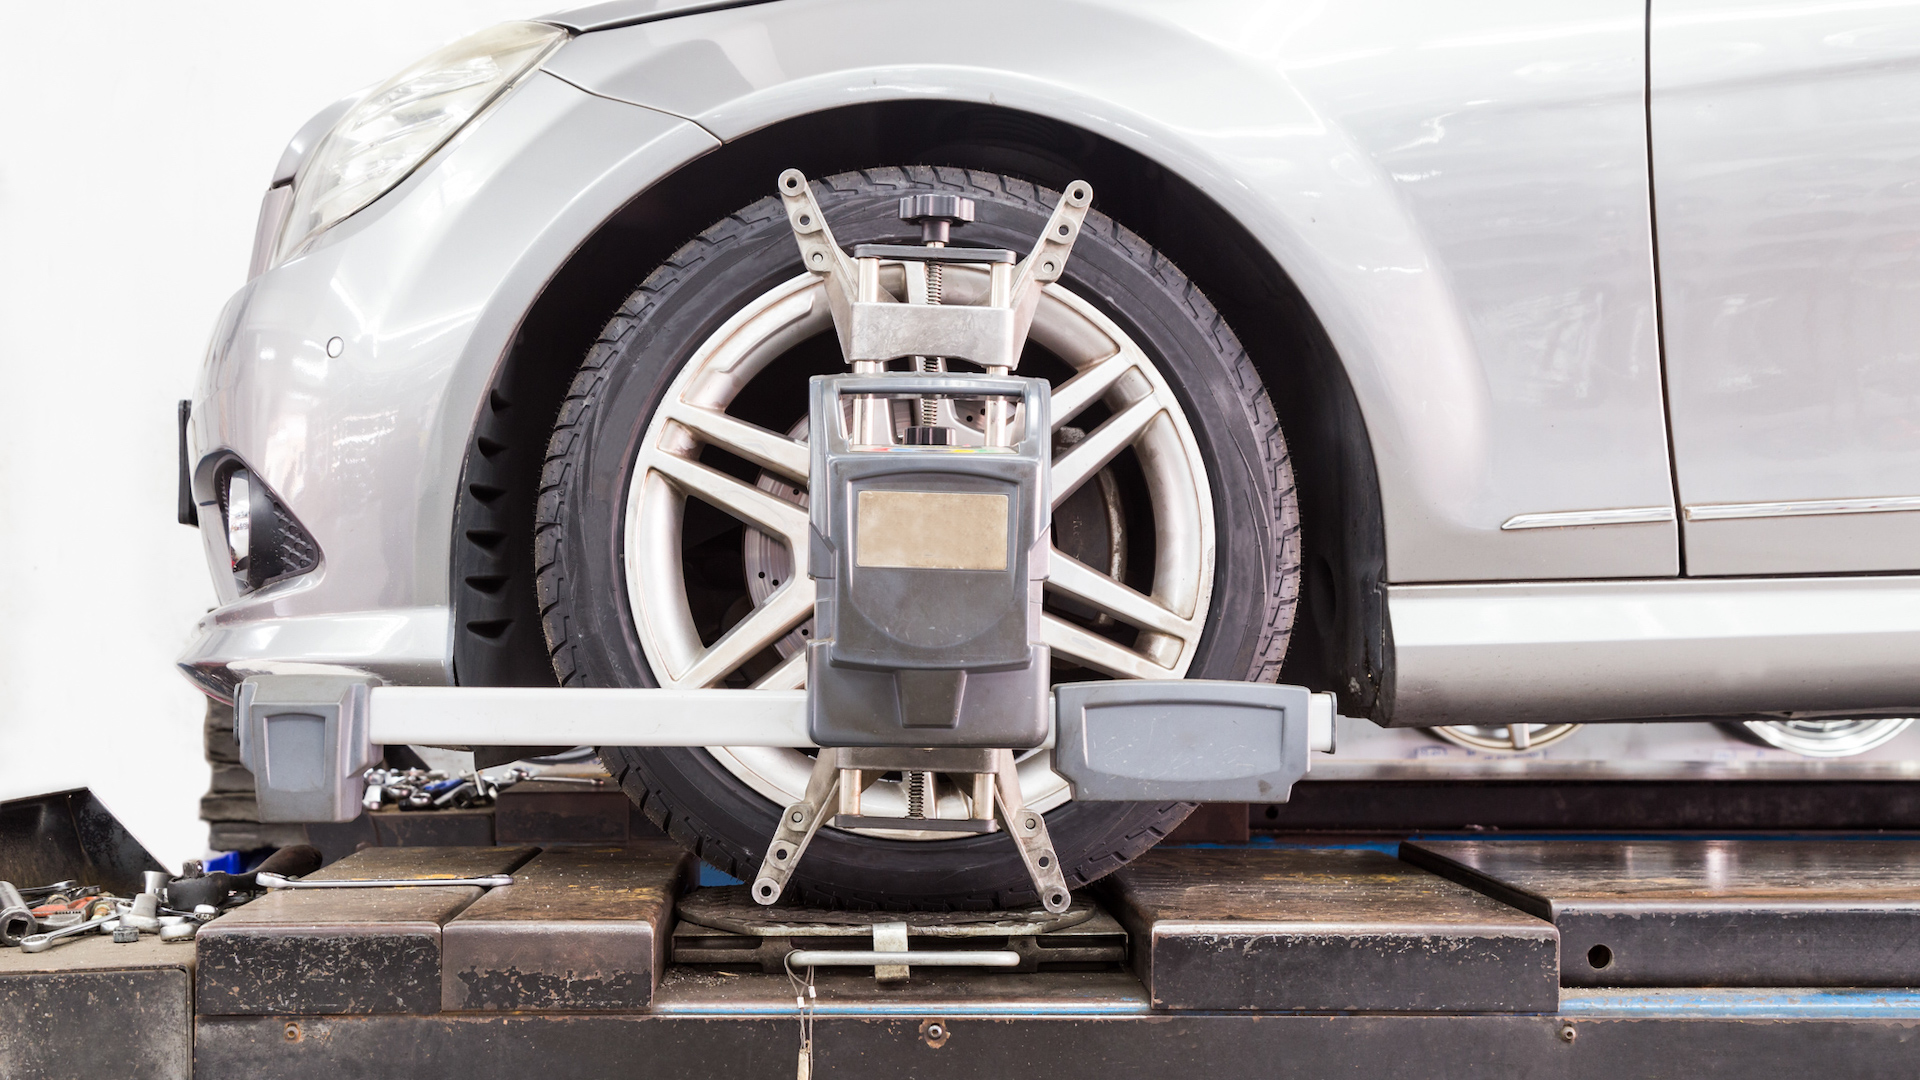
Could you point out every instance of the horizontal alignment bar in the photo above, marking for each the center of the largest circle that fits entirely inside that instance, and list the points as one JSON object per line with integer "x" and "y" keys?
{"x": 580, "y": 716}
{"x": 637, "y": 716}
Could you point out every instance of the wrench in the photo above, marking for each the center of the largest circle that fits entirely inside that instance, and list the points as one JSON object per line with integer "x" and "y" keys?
{"x": 43, "y": 942}
{"x": 275, "y": 881}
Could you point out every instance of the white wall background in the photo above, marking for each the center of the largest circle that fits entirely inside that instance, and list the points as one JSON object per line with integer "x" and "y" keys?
{"x": 135, "y": 141}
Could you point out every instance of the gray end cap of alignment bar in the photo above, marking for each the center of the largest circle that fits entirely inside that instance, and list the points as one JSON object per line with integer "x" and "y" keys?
{"x": 306, "y": 740}
{"x": 1193, "y": 740}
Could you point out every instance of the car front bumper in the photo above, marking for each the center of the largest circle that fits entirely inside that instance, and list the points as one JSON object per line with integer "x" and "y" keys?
{"x": 364, "y": 442}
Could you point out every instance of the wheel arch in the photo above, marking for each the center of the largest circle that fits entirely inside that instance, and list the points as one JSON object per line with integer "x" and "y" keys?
{"x": 1341, "y": 639}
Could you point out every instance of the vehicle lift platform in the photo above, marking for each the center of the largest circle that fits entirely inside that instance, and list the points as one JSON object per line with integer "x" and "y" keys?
{"x": 1641, "y": 957}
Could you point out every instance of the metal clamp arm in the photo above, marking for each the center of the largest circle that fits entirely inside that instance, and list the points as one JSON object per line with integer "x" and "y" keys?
{"x": 992, "y": 334}
{"x": 1049, "y": 257}
{"x": 821, "y": 253}
{"x": 1029, "y": 832}
{"x": 798, "y": 823}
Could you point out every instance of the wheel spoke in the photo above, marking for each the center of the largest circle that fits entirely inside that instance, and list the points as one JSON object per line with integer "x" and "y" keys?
{"x": 1072, "y": 468}
{"x": 768, "y": 623}
{"x": 790, "y": 675}
{"x": 748, "y": 503}
{"x": 1091, "y": 650}
{"x": 1072, "y": 397}
{"x": 768, "y": 449}
{"x": 1076, "y": 579}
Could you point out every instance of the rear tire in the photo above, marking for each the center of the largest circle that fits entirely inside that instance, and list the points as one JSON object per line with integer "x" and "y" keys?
{"x": 590, "y": 626}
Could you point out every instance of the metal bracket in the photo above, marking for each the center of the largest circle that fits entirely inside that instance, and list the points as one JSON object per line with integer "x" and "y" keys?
{"x": 838, "y": 775}
{"x": 874, "y": 327}
{"x": 861, "y": 765}
{"x": 890, "y": 937}
{"x": 820, "y": 252}
{"x": 1029, "y": 831}
{"x": 798, "y": 823}
{"x": 1048, "y": 260}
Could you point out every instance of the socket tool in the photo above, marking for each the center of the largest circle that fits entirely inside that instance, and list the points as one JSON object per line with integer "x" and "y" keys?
{"x": 16, "y": 921}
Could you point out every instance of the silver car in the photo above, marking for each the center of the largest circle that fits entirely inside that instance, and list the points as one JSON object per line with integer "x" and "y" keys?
{"x": 1501, "y": 367}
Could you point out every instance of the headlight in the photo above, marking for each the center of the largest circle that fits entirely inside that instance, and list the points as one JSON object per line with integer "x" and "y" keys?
{"x": 381, "y": 140}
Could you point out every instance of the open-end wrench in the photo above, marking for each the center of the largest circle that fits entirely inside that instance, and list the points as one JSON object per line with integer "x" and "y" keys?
{"x": 43, "y": 942}
{"x": 275, "y": 881}
{"x": 48, "y": 890}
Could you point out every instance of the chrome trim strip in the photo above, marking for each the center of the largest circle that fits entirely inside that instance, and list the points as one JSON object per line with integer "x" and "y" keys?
{"x": 1563, "y": 519}
{"x": 1804, "y": 508}
{"x": 1575, "y": 651}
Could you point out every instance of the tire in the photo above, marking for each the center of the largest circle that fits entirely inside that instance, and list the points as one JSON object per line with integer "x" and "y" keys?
{"x": 590, "y": 627}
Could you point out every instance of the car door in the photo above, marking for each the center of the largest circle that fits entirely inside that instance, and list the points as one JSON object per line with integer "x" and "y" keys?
{"x": 1786, "y": 177}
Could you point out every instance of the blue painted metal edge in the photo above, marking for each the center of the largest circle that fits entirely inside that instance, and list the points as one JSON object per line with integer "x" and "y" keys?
{"x": 1750, "y": 1004}
{"x": 1609, "y": 1004}
{"x": 1662, "y": 1004}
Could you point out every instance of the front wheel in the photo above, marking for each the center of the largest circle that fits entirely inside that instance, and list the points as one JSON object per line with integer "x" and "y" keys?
{"x": 673, "y": 502}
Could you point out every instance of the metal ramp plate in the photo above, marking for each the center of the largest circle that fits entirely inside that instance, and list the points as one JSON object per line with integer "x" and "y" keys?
{"x": 1655, "y": 912}
{"x": 343, "y": 950}
{"x": 581, "y": 929}
{"x": 1326, "y": 930}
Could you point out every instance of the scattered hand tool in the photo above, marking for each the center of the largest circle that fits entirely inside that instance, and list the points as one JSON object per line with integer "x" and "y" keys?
{"x": 43, "y": 942}
{"x": 16, "y": 922}
{"x": 144, "y": 915}
{"x": 190, "y": 893}
{"x": 488, "y": 881}
{"x": 48, "y": 890}
{"x": 428, "y": 789}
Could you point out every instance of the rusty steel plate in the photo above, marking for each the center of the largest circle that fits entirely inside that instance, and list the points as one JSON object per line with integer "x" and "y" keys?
{"x": 579, "y": 929}
{"x": 343, "y": 950}
{"x": 1326, "y": 930}
{"x": 1658, "y": 912}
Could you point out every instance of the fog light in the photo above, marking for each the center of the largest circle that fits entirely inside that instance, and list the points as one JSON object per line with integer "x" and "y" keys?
{"x": 265, "y": 543}
{"x": 239, "y": 515}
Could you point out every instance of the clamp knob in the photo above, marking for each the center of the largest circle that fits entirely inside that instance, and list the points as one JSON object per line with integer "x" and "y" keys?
{"x": 936, "y": 213}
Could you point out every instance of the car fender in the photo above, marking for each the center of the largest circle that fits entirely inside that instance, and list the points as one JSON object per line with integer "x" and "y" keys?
{"x": 1288, "y": 152}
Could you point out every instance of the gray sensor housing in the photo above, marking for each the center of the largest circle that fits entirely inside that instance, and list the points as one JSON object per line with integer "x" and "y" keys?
{"x": 1196, "y": 740}
{"x": 306, "y": 740}
{"x": 929, "y": 563}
